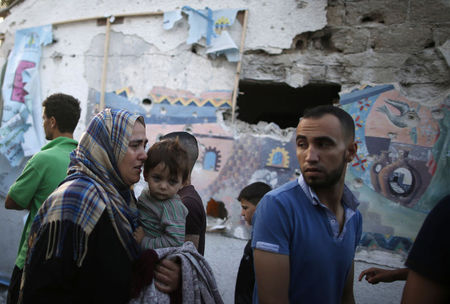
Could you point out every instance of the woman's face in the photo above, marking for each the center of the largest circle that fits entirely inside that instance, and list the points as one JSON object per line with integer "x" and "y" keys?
{"x": 131, "y": 164}
{"x": 247, "y": 210}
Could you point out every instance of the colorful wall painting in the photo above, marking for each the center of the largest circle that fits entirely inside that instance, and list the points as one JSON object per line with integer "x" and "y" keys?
{"x": 398, "y": 175}
{"x": 402, "y": 167}
{"x": 21, "y": 134}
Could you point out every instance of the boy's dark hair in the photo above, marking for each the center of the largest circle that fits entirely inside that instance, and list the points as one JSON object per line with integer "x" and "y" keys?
{"x": 254, "y": 192}
{"x": 348, "y": 126}
{"x": 66, "y": 110}
{"x": 172, "y": 155}
{"x": 188, "y": 142}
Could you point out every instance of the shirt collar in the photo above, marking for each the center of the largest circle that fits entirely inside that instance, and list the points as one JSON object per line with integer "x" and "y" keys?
{"x": 348, "y": 198}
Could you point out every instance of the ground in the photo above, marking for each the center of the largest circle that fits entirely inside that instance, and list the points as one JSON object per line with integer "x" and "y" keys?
{"x": 224, "y": 255}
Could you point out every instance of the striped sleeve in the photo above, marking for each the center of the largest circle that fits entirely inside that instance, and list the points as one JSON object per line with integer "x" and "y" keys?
{"x": 172, "y": 226}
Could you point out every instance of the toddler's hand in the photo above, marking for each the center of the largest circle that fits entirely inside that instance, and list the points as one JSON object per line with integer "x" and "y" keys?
{"x": 139, "y": 234}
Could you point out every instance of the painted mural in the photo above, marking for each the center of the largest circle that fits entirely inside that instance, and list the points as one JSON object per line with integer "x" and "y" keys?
{"x": 400, "y": 172}
{"x": 402, "y": 168}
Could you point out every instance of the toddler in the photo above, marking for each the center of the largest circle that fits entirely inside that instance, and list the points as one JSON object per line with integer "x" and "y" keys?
{"x": 162, "y": 215}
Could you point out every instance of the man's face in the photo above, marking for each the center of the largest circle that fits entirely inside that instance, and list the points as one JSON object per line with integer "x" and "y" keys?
{"x": 247, "y": 210}
{"x": 161, "y": 183}
{"x": 322, "y": 151}
{"x": 131, "y": 164}
{"x": 47, "y": 125}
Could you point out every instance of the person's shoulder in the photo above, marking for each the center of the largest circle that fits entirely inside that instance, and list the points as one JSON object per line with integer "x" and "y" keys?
{"x": 190, "y": 196}
{"x": 188, "y": 191}
{"x": 284, "y": 190}
{"x": 287, "y": 195}
{"x": 76, "y": 189}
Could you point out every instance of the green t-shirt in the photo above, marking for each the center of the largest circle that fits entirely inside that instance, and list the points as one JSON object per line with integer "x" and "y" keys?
{"x": 41, "y": 175}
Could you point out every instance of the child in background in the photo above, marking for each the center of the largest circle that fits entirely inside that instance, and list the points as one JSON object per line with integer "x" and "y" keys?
{"x": 249, "y": 198}
{"x": 162, "y": 215}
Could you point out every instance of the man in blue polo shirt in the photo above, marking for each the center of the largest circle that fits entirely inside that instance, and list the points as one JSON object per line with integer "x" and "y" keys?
{"x": 305, "y": 232}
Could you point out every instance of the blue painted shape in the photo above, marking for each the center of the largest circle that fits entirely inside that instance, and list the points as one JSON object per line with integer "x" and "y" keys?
{"x": 277, "y": 159}
{"x": 195, "y": 30}
{"x": 378, "y": 240}
{"x": 209, "y": 162}
{"x": 177, "y": 114}
{"x": 365, "y": 93}
{"x": 114, "y": 101}
{"x": 413, "y": 135}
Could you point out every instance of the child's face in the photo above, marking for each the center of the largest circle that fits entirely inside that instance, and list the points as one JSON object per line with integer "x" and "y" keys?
{"x": 161, "y": 184}
{"x": 247, "y": 210}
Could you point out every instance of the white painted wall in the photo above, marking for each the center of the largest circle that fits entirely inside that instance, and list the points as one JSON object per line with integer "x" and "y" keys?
{"x": 142, "y": 54}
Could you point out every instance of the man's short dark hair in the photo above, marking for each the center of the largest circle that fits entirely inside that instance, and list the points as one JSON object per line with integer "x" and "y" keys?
{"x": 347, "y": 123}
{"x": 254, "y": 192}
{"x": 65, "y": 109}
{"x": 172, "y": 154}
{"x": 188, "y": 142}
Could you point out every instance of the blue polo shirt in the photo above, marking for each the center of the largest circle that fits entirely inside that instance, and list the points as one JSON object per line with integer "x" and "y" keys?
{"x": 290, "y": 220}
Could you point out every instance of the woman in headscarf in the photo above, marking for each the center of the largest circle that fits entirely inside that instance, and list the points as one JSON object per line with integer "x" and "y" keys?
{"x": 81, "y": 242}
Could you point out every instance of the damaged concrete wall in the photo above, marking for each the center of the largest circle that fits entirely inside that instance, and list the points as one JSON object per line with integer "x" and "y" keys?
{"x": 164, "y": 58}
{"x": 401, "y": 42}
{"x": 351, "y": 43}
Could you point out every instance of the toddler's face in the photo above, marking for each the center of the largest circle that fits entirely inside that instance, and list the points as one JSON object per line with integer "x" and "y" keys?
{"x": 161, "y": 184}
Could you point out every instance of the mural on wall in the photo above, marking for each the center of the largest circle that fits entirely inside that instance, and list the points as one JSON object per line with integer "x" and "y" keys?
{"x": 400, "y": 172}
{"x": 21, "y": 133}
{"x": 402, "y": 168}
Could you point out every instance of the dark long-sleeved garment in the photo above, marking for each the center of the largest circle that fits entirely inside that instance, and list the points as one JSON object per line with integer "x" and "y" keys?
{"x": 104, "y": 276}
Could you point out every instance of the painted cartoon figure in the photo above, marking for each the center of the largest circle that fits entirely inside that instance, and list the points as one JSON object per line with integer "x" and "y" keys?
{"x": 407, "y": 117}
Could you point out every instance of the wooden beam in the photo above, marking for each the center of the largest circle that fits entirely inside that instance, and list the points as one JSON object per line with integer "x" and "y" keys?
{"x": 238, "y": 67}
{"x": 105, "y": 63}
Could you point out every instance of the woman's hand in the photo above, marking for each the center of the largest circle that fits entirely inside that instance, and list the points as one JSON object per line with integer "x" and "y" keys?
{"x": 168, "y": 276}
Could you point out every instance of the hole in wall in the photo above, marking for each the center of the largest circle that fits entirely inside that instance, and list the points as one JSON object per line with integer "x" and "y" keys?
{"x": 429, "y": 44}
{"x": 280, "y": 103}
{"x": 373, "y": 17}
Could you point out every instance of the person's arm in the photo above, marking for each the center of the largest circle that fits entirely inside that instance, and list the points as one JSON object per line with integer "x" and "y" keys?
{"x": 194, "y": 238}
{"x": 168, "y": 276}
{"x": 173, "y": 222}
{"x": 419, "y": 289}
{"x": 167, "y": 239}
{"x": 21, "y": 193}
{"x": 193, "y": 221}
{"x": 347, "y": 295}
{"x": 272, "y": 276}
{"x": 11, "y": 204}
{"x": 375, "y": 275}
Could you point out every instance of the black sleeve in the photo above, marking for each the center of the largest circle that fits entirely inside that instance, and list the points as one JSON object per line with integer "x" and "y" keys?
{"x": 104, "y": 276}
{"x": 194, "y": 219}
{"x": 430, "y": 253}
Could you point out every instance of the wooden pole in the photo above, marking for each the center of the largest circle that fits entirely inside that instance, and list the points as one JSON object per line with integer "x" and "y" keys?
{"x": 105, "y": 63}
{"x": 238, "y": 67}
